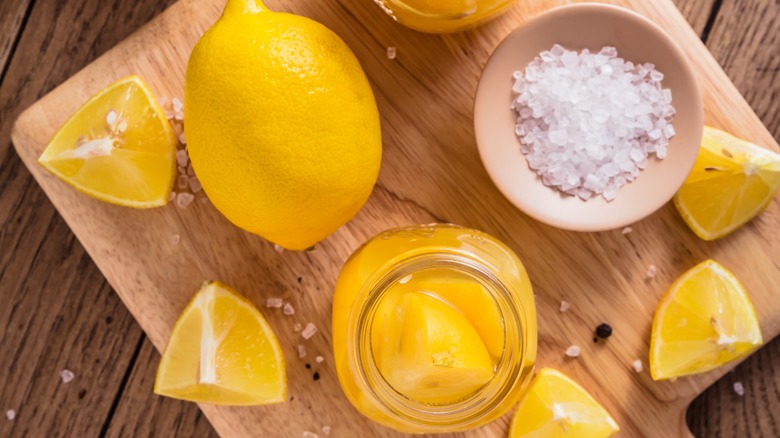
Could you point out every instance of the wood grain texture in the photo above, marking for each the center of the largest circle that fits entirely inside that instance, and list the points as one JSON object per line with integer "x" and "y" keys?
{"x": 139, "y": 413}
{"x": 12, "y": 15}
{"x": 697, "y": 12}
{"x": 383, "y": 199}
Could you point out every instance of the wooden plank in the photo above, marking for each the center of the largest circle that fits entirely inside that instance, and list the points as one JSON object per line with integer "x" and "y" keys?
{"x": 59, "y": 311}
{"x": 140, "y": 413}
{"x": 427, "y": 68}
{"x": 697, "y": 12}
{"x": 745, "y": 40}
{"x": 12, "y": 14}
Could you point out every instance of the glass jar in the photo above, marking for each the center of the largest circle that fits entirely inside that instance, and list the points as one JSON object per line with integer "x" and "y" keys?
{"x": 443, "y": 16}
{"x": 489, "y": 289}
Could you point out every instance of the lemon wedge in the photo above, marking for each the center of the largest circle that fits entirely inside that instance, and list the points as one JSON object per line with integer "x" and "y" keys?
{"x": 731, "y": 182}
{"x": 431, "y": 353}
{"x": 118, "y": 148}
{"x": 704, "y": 321}
{"x": 222, "y": 352}
{"x": 556, "y": 406}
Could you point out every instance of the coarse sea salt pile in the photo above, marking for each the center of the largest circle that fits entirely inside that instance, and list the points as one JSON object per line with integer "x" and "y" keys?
{"x": 587, "y": 122}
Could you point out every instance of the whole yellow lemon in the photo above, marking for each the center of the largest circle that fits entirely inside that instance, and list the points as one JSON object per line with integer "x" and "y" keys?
{"x": 281, "y": 124}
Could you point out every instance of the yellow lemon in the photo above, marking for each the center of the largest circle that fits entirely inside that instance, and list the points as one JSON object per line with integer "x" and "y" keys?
{"x": 281, "y": 123}
{"x": 118, "y": 148}
{"x": 731, "y": 183}
{"x": 222, "y": 352}
{"x": 430, "y": 352}
{"x": 704, "y": 321}
{"x": 557, "y": 407}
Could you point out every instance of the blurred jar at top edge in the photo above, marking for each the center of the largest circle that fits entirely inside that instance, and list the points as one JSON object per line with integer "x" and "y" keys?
{"x": 443, "y": 16}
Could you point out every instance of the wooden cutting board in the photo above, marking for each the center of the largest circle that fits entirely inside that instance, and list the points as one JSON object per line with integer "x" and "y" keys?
{"x": 431, "y": 172}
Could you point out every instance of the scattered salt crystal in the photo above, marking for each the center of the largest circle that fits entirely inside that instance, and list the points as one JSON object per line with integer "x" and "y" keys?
{"x": 182, "y": 138}
{"x": 67, "y": 376}
{"x": 182, "y": 158}
{"x": 190, "y": 170}
{"x": 172, "y": 196}
{"x": 178, "y": 105}
{"x": 181, "y": 170}
{"x": 122, "y": 127}
{"x": 164, "y": 102}
{"x": 278, "y": 248}
{"x": 297, "y": 327}
{"x": 307, "y": 434}
{"x": 391, "y": 52}
{"x": 288, "y": 309}
{"x": 309, "y": 331}
{"x": 195, "y": 185}
{"x": 319, "y": 359}
{"x": 325, "y": 429}
{"x": 588, "y": 122}
{"x": 301, "y": 351}
{"x": 183, "y": 200}
{"x": 573, "y": 351}
{"x": 405, "y": 279}
{"x": 651, "y": 271}
{"x": 179, "y": 116}
{"x": 274, "y": 302}
{"x": 11, "y": 414}
{"x": 169, "y": 114}
{"x": 627, "y": 230}
{"x": 637, "y": 364}
{"x": 739, "y": 388}
{"x": 111, "y": 118}
{"x": 176, "y": 239}
{"x": 565, "y": 306}
{"x": 182, "y": 181}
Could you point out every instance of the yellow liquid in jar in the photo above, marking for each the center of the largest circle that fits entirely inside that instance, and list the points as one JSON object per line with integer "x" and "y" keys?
{"x": 442, "y": 16}
{"x": 437, "y": 336}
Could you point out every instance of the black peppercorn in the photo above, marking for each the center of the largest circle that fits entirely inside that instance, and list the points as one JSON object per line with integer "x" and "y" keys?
{"x": 316, "y": 376}
{"x": 603, "y": 331}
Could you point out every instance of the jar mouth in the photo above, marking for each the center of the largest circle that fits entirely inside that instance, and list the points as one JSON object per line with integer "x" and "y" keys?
{"x": 470, "y": 410}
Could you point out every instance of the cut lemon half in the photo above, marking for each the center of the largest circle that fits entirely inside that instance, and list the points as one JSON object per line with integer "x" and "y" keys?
{"x": 704, "y": 321}
{"x": 730, "y": 184}
{"x": 118, "y": 148}
{"x": 222, "y": 352}
{"x": 556, "y": 406}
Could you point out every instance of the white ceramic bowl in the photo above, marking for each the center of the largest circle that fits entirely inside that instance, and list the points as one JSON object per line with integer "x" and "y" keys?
{"x": 592, "y": 26}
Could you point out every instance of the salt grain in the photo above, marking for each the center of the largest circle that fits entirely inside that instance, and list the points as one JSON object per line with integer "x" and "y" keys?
{"x": 172, "y": 196}
{"x": 637, "y": 364}
{"x": 651, "y": 271}
{"x": 627, "y": 230}
{"x": 319, "y": 359}
{"x": 278, "y": 248}
{"x": 175, "y": 239}
{"x": 190, "y": 170}
{"x": 11, "y": 414}
{"x": 573, "y": 351}
{"x": 67, "y": 376}
{"x": 183, "y": 200}
{"x": 587, "y": 122}
{"x": 178, "y": 105}
{"x": 297, "y": 327}
{"x": 195, "y": 185}
{"x": 169, "y": 114}
{"x": 307, "y": 434}
{"x": 739, "y": 388}
{"x": 111, "y": 118}
{"x": 309, "y": 331}
{"x": 179, "y": 116}
{"x": 301, "y": 351}
{"x": 325, "y": 429}
{"x": 391, "y": 52}
{"x": 274, "y": 303}
{"x": 565, "y": 306}
{"x": 406, "y": 279}
{"x": 288, "y": 309}
{"x": 182, "y": 182}
{"x": 182, "y": 139}
{"x": 182, "y": 158}
{"x": 181, "y": 170}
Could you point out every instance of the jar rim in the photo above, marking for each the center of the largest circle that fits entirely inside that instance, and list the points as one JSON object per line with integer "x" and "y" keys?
{"x": 463, "y": 413}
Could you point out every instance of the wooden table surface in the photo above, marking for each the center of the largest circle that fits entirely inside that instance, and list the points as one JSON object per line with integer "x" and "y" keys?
{"x": 59, "y": 313}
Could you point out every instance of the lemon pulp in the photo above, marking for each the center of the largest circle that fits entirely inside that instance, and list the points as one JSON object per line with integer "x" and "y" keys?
{"x": 731, "y": 182}
{"x": 556, "y": 406}
{"x": 118, "y": 148}
{"x": 222, "y": 351}
{"x": 705, "y": 320}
